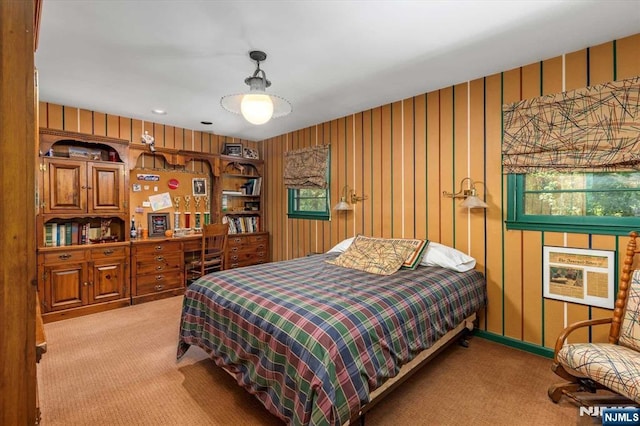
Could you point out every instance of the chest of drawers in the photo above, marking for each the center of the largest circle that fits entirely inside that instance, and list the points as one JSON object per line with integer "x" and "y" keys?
{"x": 247, "y": 249}
{"x": 157, "y": 270}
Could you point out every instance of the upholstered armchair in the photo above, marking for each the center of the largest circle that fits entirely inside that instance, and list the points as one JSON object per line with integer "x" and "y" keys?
{"x": 614, "y": 365}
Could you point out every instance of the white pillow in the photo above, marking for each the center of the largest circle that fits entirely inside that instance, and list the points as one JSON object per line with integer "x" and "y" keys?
{"x": 341, "y": 246}
{"x": 447, "y": 257}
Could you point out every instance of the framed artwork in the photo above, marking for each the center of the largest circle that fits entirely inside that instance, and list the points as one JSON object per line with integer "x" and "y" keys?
{"x": 158, "y": 223}
{"x": 233, "y": 149}
{"x": 199, "y": 186}
{"x": 582, "y": 276}
{"x": 250, "y": 153}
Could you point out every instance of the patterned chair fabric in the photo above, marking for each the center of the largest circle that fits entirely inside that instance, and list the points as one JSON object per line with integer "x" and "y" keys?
{"x": 614, "y": 366}
{"x": 630, "y": 327}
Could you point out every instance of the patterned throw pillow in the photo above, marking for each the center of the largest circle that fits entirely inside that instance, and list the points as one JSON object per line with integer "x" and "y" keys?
{"x": 375, "y": 255}
{"x": 414, "y": 259}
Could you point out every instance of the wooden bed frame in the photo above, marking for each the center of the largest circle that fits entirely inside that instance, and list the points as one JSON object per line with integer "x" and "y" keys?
{"x": 407, "y": 370}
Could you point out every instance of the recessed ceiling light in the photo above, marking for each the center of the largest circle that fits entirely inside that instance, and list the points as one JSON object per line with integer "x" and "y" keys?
{"x": 159, "y": 111}
{"x": 206, "y": 123}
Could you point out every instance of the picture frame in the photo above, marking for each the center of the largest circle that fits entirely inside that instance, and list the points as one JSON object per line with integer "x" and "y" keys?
{"x": 158, "y": 224}
{"x": 233, "y": 149}
{"x": 582, "y": 276}
{"x": 199, "y": 186}
{"x": 250, "y": 153}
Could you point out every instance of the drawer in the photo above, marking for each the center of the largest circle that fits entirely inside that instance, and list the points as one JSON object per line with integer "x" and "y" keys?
{"x": 101, "y": 253}
{"x": 242, "y": 256}
{"x": 158, "y": 263}
{"x": 247, "y": 248}
{"x": 194, "y": 245}
{"x": 164, "y": 247}
{"x": 246, "y": 262}
{"x": 154, "y": 283}
{"x": 65, "y": 256}
{"x": 247, "y": 240}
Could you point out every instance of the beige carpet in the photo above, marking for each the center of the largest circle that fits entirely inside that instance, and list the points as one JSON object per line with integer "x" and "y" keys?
{"x": 119, "y": 368}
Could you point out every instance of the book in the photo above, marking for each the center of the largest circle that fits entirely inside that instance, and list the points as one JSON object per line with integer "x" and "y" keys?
{"x": 68, "y": 234}
{"x": 48, "y": 236}
{"x": 62, "y": 232}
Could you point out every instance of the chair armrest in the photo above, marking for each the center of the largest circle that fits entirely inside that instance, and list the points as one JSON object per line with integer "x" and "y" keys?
{"x": 571, "y": 328}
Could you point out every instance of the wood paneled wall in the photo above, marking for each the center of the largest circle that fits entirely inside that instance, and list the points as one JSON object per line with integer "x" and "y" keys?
{"x": 74, "y": 119}
{"x": 404, "y": 154}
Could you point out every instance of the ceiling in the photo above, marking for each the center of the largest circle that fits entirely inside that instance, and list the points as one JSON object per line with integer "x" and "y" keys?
{"x": 328, "y": 58}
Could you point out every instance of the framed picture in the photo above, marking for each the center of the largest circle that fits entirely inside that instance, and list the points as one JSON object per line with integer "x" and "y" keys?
{"x": 250, "y": 153}
{"x": 233, "y": 149}
{"x": 158, "y": 223}
{"x": 582, "y": 276}
{"x": 199, "y": 186}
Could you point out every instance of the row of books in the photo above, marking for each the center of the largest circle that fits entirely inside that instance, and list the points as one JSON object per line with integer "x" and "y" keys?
{"x": 242, "y": 224}
{"x": 252, "y": 186}
{"x": 68, "y": 234}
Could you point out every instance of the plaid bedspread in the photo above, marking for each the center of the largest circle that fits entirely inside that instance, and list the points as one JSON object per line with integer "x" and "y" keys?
{"x": 310, "y": 340}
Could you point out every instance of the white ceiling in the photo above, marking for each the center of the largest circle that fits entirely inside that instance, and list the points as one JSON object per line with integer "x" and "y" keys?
{"x": 328, "y": 58}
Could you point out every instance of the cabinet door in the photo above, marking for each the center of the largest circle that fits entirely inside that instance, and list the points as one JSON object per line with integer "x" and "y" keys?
{"x": 108, "y": 281}
{"x": 65, "y": 186}
{"x": 106, "y": 192}
{"x": 65, "y": 286}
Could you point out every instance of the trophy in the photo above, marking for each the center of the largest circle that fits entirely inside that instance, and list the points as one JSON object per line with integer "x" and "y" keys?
{"x": 207, "y": 213}
{"x": 197, "y": 200}
{"x": 187, "y": 212}
{"x": 176, "y": 214}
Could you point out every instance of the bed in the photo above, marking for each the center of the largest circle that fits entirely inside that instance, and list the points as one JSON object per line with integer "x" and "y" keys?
{"x": 317, "y": 343}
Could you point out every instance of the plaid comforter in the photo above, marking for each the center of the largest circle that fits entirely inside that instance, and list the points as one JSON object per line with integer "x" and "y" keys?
{"x": 310, "y": 340}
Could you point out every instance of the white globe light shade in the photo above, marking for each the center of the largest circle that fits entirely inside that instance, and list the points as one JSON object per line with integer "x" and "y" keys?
{"x": 256, "y": 108}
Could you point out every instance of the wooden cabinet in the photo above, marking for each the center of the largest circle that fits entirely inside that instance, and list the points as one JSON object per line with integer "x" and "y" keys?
{"x": 81, "y": 187}
{"x": 247, "y": 249}
{"x": 82, "y": 190}
{"x": 76, "y": 280}
{"x": 158, "y": 269}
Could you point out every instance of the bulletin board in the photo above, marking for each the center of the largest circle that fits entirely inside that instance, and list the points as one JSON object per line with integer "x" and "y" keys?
{"x": 154, "y": 191}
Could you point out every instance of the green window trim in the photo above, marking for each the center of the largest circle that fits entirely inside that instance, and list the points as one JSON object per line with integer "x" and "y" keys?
{"x": 516, "y": 219}
{"x": 294, "y": 213}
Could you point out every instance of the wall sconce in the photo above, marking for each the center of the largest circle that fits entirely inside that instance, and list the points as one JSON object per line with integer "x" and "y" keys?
{"x": 472, "y": 200}
{"x": 343, "y": 204}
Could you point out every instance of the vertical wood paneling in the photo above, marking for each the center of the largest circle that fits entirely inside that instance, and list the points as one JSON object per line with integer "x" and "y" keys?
{"x": 461, "y": 166}
{"x": 408, "y": 169}
{"x": 493, "y": 171}
{"x": 476, "y": 234}
{"x": 54, "y": 117}
{"x": 71, "y": 119}
{"x": 368, "y": 168}
{"x": 397, "y": 199}
{"x": 113, "y": 126}
{"x": 433, "y": 165}
{"x": 421, "y": 206}
{"x": 358, "y": 167}
{"x": 447, "y": 179}
{"x": 627, "y": 57}
{"x": 377, "y": 172}
{"x": 386, "y": 155}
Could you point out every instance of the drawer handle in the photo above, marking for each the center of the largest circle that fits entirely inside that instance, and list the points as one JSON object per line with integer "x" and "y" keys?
{"x": 237, "y": 240}
{"x": 64, "y": 256}
{"x": 260, "y": 247}
{"x": 159, "y": 287}
{"x": 107, "y": 252}
{"x": 159, "y": 248}
{"x": 234, "y": 265}
{"x": 261, "y": 254}
{"x": 159, "y": 268}
{"x": 234, "y": 249}
{"x": 160, "y": 258}
{"x": 160, "y": 278}
{"x": 234, "y": 257}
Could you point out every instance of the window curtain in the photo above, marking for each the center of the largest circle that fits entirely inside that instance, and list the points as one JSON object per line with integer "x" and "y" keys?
{"x": 306, "y": 167}
{"x": 592, "y": 129}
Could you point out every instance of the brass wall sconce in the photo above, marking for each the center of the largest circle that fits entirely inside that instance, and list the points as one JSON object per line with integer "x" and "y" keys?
{"x": 472, "y": 201}
{"x": 343, "y": 204}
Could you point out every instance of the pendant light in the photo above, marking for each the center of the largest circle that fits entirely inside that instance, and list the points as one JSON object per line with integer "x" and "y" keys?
{"x": 256, "y": 106}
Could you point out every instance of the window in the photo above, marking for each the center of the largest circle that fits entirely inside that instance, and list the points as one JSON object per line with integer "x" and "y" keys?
{"x": 602, "y": 203}
{"x": 309, "y": 204}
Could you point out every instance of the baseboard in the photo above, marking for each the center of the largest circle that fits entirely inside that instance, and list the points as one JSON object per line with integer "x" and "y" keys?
{"x": 514, "y": 343}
